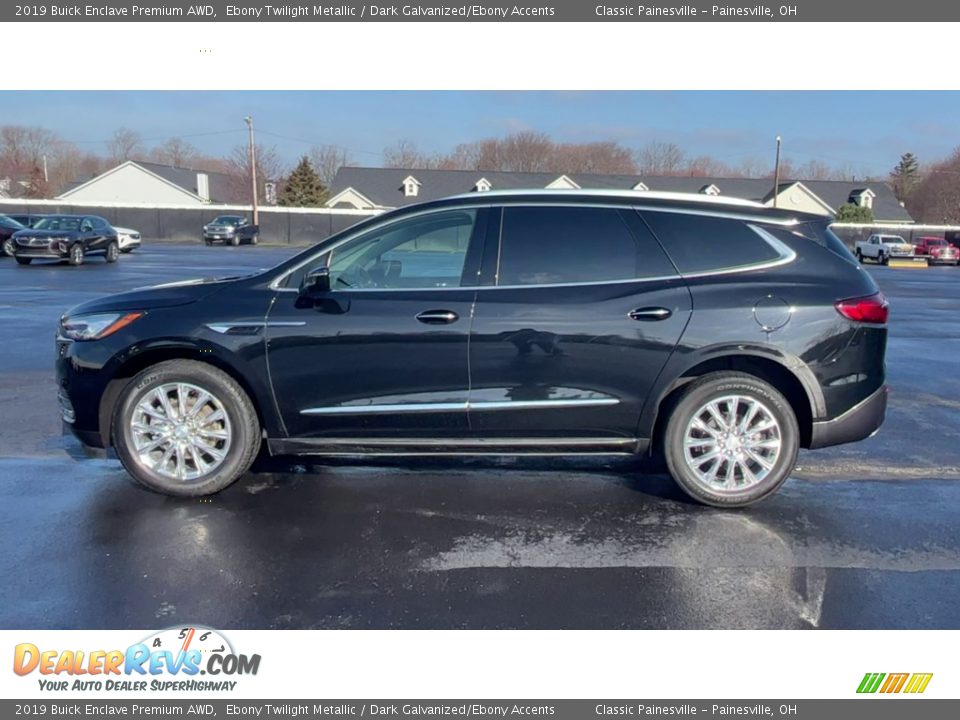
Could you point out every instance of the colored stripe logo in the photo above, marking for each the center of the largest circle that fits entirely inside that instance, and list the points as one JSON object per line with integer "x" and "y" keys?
{"x": 912, "y": 683}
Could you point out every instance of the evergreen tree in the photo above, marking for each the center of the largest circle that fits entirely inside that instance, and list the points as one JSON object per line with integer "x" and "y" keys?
{"x": 905, "y": 176}
{"x": 851, "y": 213}
{"x": 303, "y": 188}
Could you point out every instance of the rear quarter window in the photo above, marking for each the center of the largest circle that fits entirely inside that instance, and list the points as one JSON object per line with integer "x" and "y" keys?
{"x": 699, "y": 243}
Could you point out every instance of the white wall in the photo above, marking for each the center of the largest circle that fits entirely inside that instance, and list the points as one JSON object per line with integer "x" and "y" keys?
{"x": 131, "y": 184}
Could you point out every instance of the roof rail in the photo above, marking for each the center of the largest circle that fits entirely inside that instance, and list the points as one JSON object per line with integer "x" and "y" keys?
{"x": 636, "y": 194}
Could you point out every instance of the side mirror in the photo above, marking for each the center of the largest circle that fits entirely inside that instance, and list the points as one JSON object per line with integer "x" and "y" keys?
{"x": 316, "y": 282}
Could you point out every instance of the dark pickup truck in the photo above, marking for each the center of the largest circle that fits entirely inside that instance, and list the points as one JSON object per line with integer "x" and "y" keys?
{"x": 230, "y": 230}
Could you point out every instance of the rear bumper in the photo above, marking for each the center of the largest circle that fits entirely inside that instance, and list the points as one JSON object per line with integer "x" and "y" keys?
{"x": 859, "y": 422}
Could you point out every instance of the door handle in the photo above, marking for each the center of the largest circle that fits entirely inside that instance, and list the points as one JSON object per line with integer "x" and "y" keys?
{"x": 649, "y": 313}
{"x": 438, "y": 317}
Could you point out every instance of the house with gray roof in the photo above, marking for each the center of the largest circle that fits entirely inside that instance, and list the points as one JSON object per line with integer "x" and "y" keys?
{"x": 369, "y": 188}
{"x": 136, "y": 181}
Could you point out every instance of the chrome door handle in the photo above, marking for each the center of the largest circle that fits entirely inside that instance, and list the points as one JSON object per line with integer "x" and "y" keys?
{"x": 649, "y": 313}
{"x": 438, "y": 317}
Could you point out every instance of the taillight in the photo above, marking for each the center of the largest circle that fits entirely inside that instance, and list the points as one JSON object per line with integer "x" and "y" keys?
{"x": 870, "y": 309}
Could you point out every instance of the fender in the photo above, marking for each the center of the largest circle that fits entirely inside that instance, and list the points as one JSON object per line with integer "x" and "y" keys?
{"x": 683, "y": 360}
{"x": 247, "y": 371}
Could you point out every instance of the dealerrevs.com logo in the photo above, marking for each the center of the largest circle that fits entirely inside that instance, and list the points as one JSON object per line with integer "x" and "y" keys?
{"x": 172, "y": 659}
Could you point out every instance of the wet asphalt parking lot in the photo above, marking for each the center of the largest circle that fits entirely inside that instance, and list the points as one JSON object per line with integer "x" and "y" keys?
{"x": 863, "y": 536}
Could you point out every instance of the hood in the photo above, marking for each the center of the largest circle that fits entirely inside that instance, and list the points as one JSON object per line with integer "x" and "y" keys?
{"x": 156, "y": 296}
{"x": 126, "y": 231}
{"x": 32, "y": 233}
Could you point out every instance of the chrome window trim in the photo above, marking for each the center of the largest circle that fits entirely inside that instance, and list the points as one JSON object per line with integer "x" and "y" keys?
{"x": 746, "y": 217}
{"x": 466, "y": 405}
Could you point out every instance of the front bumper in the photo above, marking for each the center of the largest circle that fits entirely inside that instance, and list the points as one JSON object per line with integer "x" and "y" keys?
{"x": 859, "y": 422}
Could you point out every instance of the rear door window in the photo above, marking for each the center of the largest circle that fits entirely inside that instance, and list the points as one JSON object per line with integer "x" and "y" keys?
{"x": 552, "y": 245}
{"x": 700, "y": 243}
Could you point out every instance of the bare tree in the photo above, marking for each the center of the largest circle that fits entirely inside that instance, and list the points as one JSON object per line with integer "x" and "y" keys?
{"x": 269, "y": 169}
{"x": 125, "y": 144}
{"x": 327, "y": 160}
{"x": 936, "y": 197}
{"x": 22, "y": 148}
{"x": 405, "y": 155}
{"x": 660, "y": 158}
{"x": 599, "y": 158}
{"x": 177, "y": 152}
{"x": 705, "y": 166}
{"x": 814, "y": 170}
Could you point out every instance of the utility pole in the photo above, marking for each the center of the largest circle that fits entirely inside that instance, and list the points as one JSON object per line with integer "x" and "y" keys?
{"x": 46, "y": 177}
{"x": 776, "y": 174}
{"x": 253, "y": 171}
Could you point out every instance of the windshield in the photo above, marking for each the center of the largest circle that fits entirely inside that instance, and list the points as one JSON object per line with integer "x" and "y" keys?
{"x": 891, "y": 239}
{"x": 10, "y": 223}
{"x": 226, "y": 220}
{"x": 936, "y": 241}
{"x": 58, "y": 223}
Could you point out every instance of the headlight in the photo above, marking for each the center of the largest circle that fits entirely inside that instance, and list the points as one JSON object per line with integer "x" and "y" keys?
{"x": 96, "y": 326}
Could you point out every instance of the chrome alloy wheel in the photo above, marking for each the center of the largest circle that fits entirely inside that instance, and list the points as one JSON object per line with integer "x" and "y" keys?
{"x": 732, "y": 443}
{"x": 180, "y": 431}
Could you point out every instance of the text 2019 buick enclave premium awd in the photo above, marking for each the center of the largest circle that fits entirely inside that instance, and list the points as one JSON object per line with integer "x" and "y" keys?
{"x": 723, "y": 334}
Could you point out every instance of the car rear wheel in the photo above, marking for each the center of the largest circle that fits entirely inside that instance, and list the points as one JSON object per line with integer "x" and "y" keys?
{"x": 76, "y": 254}
{"x": 113, "y": 252}
{"x": 23, "y": 260}
{"x": 731, "y": 440}
{"x": 185, "y": 428}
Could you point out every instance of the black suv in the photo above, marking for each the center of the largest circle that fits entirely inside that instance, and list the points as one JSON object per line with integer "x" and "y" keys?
{"x": 230, "y": 230}
{"x": 724, "y": 335}
{"x": 66, "y": 237}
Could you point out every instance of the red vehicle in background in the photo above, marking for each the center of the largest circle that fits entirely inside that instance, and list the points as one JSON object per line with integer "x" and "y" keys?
{"x": 937, "y": 250}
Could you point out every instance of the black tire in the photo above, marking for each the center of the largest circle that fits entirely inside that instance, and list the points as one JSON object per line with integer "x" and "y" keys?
{"x": 113, "y": 252}
{"x": 234, "y": 240}
{"x": 208, "y": 243}
{"x": 859, "y": 256}
{"x": 77, "y": 254}
{"x": 698, "y": 394}
{"x": 23, "y": 260}
{"x": 255, "y": 238}
{"x": 243, "y": 422}
{"x": 8, "y": 247}
{"x": 884, "y": 259}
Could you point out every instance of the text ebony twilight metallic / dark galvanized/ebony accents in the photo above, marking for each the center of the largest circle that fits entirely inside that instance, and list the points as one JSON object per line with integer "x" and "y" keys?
{"x": 721, "y": 335}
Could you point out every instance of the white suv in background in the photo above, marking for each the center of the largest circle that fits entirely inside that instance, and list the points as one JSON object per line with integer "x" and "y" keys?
{"x": 127, "y": 238}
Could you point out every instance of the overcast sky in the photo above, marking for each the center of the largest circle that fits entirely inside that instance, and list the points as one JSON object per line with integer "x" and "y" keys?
{"x": 865, "y": 131}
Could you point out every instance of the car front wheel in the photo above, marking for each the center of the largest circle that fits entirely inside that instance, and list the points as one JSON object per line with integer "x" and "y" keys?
{"x": 731, "y": 440}
{"x": 76, "y": 254}
{"x": 185, "y": 428}
{"x": 235, "y": 240}
{"x": 8, "y": 247}
{"x": 113, "y": 252}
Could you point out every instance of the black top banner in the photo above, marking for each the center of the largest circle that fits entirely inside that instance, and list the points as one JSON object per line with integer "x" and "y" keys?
{"x": 487, "y": 11}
